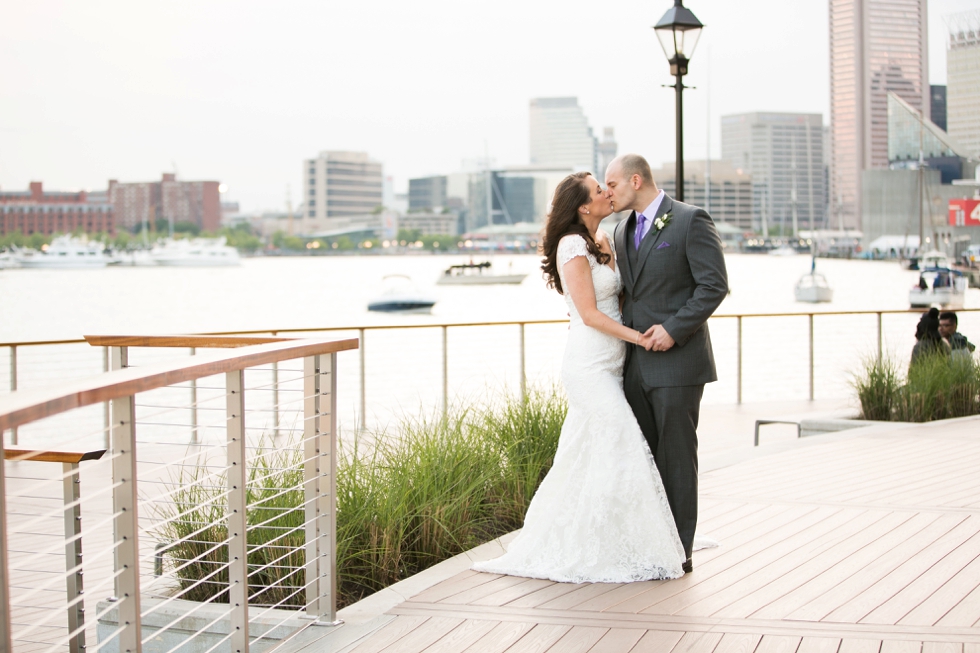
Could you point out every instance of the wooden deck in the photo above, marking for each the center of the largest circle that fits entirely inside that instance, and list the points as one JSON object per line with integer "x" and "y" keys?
{"x": 845, "y": 544}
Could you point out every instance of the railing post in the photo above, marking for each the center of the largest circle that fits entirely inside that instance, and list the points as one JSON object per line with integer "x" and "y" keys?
{"x": 879, "y": 336}
{"x": 73, "y": 557}
{"x": 237, "y": 523}
{"x": 362, "y": 349}
{"x": 6, "y": 643}
{"x": 811, "y": 356}
{"x": 125, "y": 522}
{"x": 194, "y": 438}
{"x": 738, "y": 362}
{"x": 523, "y": 367}
{"x": 445, "y": 371}
{"x": 320, "y": 435}
{"x": 275, "y": 395}
{"x": 13, "y": 387}
{"x": 106, "y": 419}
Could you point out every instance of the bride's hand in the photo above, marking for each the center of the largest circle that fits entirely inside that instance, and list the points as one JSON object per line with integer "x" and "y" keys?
{"x": 646, "y": 341}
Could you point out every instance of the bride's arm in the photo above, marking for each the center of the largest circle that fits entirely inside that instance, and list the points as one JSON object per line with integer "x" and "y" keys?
{"x": 578, "y": 282}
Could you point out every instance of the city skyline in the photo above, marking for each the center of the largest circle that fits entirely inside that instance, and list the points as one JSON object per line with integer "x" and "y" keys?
{"x": 215, "y": 92}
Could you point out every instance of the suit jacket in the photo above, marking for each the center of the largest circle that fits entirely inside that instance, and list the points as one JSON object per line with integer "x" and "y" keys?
{"x": 678, "y": 280}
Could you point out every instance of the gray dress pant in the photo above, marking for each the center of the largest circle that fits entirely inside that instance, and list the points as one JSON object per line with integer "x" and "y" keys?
{"x": 668, "y": 418}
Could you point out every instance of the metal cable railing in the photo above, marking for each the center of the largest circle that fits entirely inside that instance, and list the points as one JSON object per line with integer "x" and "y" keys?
{"x": 224, "y": 538}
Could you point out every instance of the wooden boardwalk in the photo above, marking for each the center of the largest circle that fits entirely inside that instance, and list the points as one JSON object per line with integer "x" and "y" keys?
{"x": 844, "y": 544}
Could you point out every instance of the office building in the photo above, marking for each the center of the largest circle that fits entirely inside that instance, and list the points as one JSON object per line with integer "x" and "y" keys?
{"x": 727, "y": 195}
{"x": 911, "y": 136}
{"x": 876, "y": 46}
{"x": 561, "y": 136}
{"x": 607, "y": 152}
{"x": 427, "y": 193}
{"x": 341, "y": 184}
{"x": 509, "y": 196}
{"x": 170, "y": 199}
{"x": 783, "y": 155}
{"x": 963, "y": 82}
{"x": 429, "y": 224}
{"x": 937, "y": 106}
{"x": 52, "y": 212}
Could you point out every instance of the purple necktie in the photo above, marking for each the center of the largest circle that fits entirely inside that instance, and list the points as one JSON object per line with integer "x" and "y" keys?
{"x": 638, "y": 236}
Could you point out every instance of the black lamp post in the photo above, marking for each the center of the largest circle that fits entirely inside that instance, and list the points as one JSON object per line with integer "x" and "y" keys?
{"x": 678, "y": 32}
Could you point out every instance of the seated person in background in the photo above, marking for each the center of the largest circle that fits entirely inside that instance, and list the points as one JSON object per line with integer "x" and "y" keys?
{"x": 930, "y": 342}
{"x": 948, "y": 324}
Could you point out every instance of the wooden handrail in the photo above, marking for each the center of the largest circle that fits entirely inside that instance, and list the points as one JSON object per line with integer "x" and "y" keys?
{"x": 435, "y": 325}
{"x": 51, "y": 456}
{"x": 24, "y": 406}
{"x": 204, "y": 342}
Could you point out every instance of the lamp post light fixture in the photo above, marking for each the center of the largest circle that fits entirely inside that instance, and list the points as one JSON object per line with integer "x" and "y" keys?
{"x": 678, "y": 32}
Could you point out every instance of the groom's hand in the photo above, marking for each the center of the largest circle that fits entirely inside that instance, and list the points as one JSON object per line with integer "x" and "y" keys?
{"x": 661, "y": 340}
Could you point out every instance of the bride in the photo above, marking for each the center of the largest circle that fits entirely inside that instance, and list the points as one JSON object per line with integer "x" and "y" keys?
{"x": 601, "y": 514}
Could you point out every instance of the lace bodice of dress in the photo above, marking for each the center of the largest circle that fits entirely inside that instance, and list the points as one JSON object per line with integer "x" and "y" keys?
{"x": 606, "y": 280}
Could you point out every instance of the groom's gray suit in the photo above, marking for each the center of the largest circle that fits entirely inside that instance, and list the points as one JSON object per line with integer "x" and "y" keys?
{"x": 676, "y": 279}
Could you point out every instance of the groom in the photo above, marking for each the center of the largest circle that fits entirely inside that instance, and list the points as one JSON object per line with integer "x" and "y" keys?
{"x": 674, "y": 274}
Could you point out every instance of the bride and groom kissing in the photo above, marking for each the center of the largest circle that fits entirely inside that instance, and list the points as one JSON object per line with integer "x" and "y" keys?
{"x": 620, "y": 501}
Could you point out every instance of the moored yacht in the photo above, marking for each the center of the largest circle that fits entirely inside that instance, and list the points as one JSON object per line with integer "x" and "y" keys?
{"x": 939, "y": 286}
{"x": 65, "y": 252}
{"x": 196, "y": 252}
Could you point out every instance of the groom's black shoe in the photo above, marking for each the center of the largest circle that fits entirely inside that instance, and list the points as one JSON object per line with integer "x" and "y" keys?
{"x": 687, "y": 566}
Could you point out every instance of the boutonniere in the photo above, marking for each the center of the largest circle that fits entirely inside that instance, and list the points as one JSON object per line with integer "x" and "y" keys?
{"x": 663, "y": 220}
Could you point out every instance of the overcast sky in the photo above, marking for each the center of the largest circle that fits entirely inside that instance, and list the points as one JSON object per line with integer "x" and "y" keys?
{"x": 243, "y": 91}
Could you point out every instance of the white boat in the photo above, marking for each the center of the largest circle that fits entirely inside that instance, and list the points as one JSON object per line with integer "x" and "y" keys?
{"x": 195, "y": 252}
{"x": 66, "y": 252}
{"x": 939, "y": 286}
{"x": 133, "y": 258}
{"x": 931, "y": 259}
{"x": 813, "y": 288}
{"x": 8, "y": 260}
{"x": 783, "y": 250}
{"x": 476, "y": 274}
{"x": 401, "y": 296}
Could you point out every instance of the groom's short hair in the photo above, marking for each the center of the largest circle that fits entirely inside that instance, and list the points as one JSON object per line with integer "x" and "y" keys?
{"x": 634, "y": 164}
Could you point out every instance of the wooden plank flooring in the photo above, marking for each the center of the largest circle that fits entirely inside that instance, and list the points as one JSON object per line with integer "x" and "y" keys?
{"x": 860, "y": 544}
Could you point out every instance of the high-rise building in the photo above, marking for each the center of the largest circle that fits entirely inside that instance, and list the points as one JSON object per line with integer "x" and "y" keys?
{"x": 876, "y": 46}
{"x": 341, "y": 184}
{"x": 783, "y": 154}
{"x": 427, "y": 193}
{"x": 171, "y": 199}
{"x": 607, "y": 152}
{"x": 728, "y": 191}
{"x": 50, "y": 212}
{"x": 561, "y": 136}
{"x": 963, "y": 81}
{"x": 937, "y": 105}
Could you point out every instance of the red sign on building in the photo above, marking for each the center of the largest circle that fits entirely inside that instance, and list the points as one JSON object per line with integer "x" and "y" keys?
{"x": 964, "y": 213}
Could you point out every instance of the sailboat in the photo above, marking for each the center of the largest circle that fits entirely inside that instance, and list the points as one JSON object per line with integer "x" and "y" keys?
{"x": 813, "y": 287}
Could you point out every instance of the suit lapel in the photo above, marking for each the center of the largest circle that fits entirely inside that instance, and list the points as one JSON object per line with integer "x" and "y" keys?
{"x": 648, "y": 243}
{"x": 622, "y": 255}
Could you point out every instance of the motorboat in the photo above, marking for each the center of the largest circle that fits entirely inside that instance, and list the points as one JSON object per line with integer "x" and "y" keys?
{"x": 813, "y": 288}
{"x": 931, "y": 259}
{"x": 939, "y": 286}
{"x": 401, "y": 296}
{"x": 195, "y": 252}
{"x": 476, "y": 274}
{"x": 8, "y": 260}
{"x": 133, "y": 258}
{"x": 783, "y": 250}
{"x": 66, "y": 252}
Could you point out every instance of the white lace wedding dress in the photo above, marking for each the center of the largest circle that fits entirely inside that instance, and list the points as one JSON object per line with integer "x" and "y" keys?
{"x": 601, "y": 514}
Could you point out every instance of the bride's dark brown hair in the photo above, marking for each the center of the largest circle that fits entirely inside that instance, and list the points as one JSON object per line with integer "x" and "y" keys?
{"x": 564, "y": 219}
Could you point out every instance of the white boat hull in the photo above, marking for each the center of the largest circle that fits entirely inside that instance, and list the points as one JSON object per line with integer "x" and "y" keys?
{"x": 814, "y": 295}
{"x": 480, "y": 279}
{"x": 67, "y": 262}
{"x": 944, "y": 297}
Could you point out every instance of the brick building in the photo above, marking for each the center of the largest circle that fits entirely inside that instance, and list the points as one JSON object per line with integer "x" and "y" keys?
{"x": 37, "y": 211}
{"x": 197, "y": 202}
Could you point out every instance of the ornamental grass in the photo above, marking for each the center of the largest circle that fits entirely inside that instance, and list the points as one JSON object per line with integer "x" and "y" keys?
{"x": 936, "y": 387}
{"x": 407, "y": 500}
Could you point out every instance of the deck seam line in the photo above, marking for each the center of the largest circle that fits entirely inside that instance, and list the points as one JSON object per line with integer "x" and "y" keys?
{"x": 952, "y": 510}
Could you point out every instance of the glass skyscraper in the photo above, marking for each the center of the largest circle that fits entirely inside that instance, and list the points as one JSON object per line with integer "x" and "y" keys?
{"x": 876, "y": 46}
{"x": 561, "y": 135}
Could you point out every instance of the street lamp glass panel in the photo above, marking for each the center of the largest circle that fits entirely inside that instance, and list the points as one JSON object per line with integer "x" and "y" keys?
{"x": 677, "y": 40}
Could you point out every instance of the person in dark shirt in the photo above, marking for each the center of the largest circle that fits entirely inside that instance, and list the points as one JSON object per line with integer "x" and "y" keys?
{"x": 929, "y": 341}
{"x": 948, "y": 323}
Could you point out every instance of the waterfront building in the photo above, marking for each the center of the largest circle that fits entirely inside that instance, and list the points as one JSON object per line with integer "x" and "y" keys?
{"x": 911, "y": 136}
{"x": 607, "y": 152}
{"x": 876, "y": 46}
{"x": 171, "y": 199}
{"x": 937, "y": 106}
{"x": 963, "y": 82}
{"x": 340, "y": 184}
{"x": 512, "y": 195}
{"x": 783, "y": 155}
{"x": 427, "y": 193}
{"x": 50, "y": 212}
{"x": 728, "y": 191}
{"x": 561, "y": 135}
{"x": 429, "y": 223}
